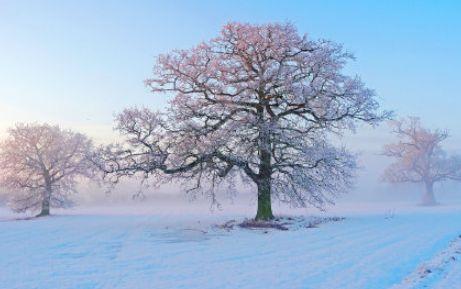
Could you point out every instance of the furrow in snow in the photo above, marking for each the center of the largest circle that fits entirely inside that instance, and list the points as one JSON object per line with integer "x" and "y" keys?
{"x": 435, "y": 270}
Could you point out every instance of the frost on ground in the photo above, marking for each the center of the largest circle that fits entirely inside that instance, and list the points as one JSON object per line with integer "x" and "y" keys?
{"x": 435, "y": 273}
{"x": 369, "y": 251}
{"x": 283, "y": 223}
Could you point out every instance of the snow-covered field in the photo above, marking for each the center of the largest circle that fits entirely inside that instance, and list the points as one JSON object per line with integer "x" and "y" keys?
{"x": 405, "y": 248}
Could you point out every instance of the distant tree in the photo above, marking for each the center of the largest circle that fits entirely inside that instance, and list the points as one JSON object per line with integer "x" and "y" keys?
{"x": 419, "y": 157}
{"x": 257, "y": 101}
{"x": 40, "y": 165}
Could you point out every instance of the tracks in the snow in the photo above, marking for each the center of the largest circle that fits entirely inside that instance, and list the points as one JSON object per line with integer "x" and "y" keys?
{"x": 433, "y": 269}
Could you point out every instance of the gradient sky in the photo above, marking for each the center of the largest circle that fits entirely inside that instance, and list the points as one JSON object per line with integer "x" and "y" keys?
{"x": 76, "y": 63}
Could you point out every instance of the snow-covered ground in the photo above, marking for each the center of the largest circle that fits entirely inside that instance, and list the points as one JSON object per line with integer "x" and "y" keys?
{"x": 376, "y": 248}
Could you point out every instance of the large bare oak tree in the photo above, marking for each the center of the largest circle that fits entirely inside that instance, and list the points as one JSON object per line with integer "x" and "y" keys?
{"x": 259, "y": 101}
{"x": 40, "y": 165}
{"x": 419, "y": 157}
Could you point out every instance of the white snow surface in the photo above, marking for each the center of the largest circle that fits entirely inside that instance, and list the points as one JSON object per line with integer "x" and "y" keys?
{"x": 112, "y": 248}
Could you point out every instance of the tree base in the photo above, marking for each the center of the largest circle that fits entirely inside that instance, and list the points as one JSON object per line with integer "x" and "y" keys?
{"x": 254, "y": 224}
{"x": 264, "y": 218}
{"x": 42, "y": 214}
{"x": 264, "y": 212}
{"x": 286, "y": 223}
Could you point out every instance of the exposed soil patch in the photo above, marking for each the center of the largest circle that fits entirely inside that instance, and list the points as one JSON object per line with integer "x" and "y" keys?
{"x": 280, "y": 223}
{"x": 252, "y": 224}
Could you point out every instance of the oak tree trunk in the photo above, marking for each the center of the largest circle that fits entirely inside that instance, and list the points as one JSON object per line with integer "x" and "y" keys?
{"x": 428, "y": 196}
{"x": 264, "y": 179}
{"x": 264, "y": 201}
{"x": 45, "y": 210}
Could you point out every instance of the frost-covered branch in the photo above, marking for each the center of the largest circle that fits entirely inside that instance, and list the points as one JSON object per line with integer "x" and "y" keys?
{"x": 258, "y": 100}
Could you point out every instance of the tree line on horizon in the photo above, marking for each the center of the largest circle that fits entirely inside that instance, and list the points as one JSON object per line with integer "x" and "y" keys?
{"x": 257, "y": 103}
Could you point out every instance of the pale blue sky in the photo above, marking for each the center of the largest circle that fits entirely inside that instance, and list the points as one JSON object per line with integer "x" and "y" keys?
{"x": 78, "y": 62}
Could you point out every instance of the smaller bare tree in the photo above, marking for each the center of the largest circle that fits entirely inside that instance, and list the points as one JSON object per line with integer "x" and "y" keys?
{"x": 40, "y": 165}
{"x": 420, "y": 157}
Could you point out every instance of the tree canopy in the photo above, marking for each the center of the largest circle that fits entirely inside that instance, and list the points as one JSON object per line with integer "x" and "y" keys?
{"x": 259, "y": 101}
